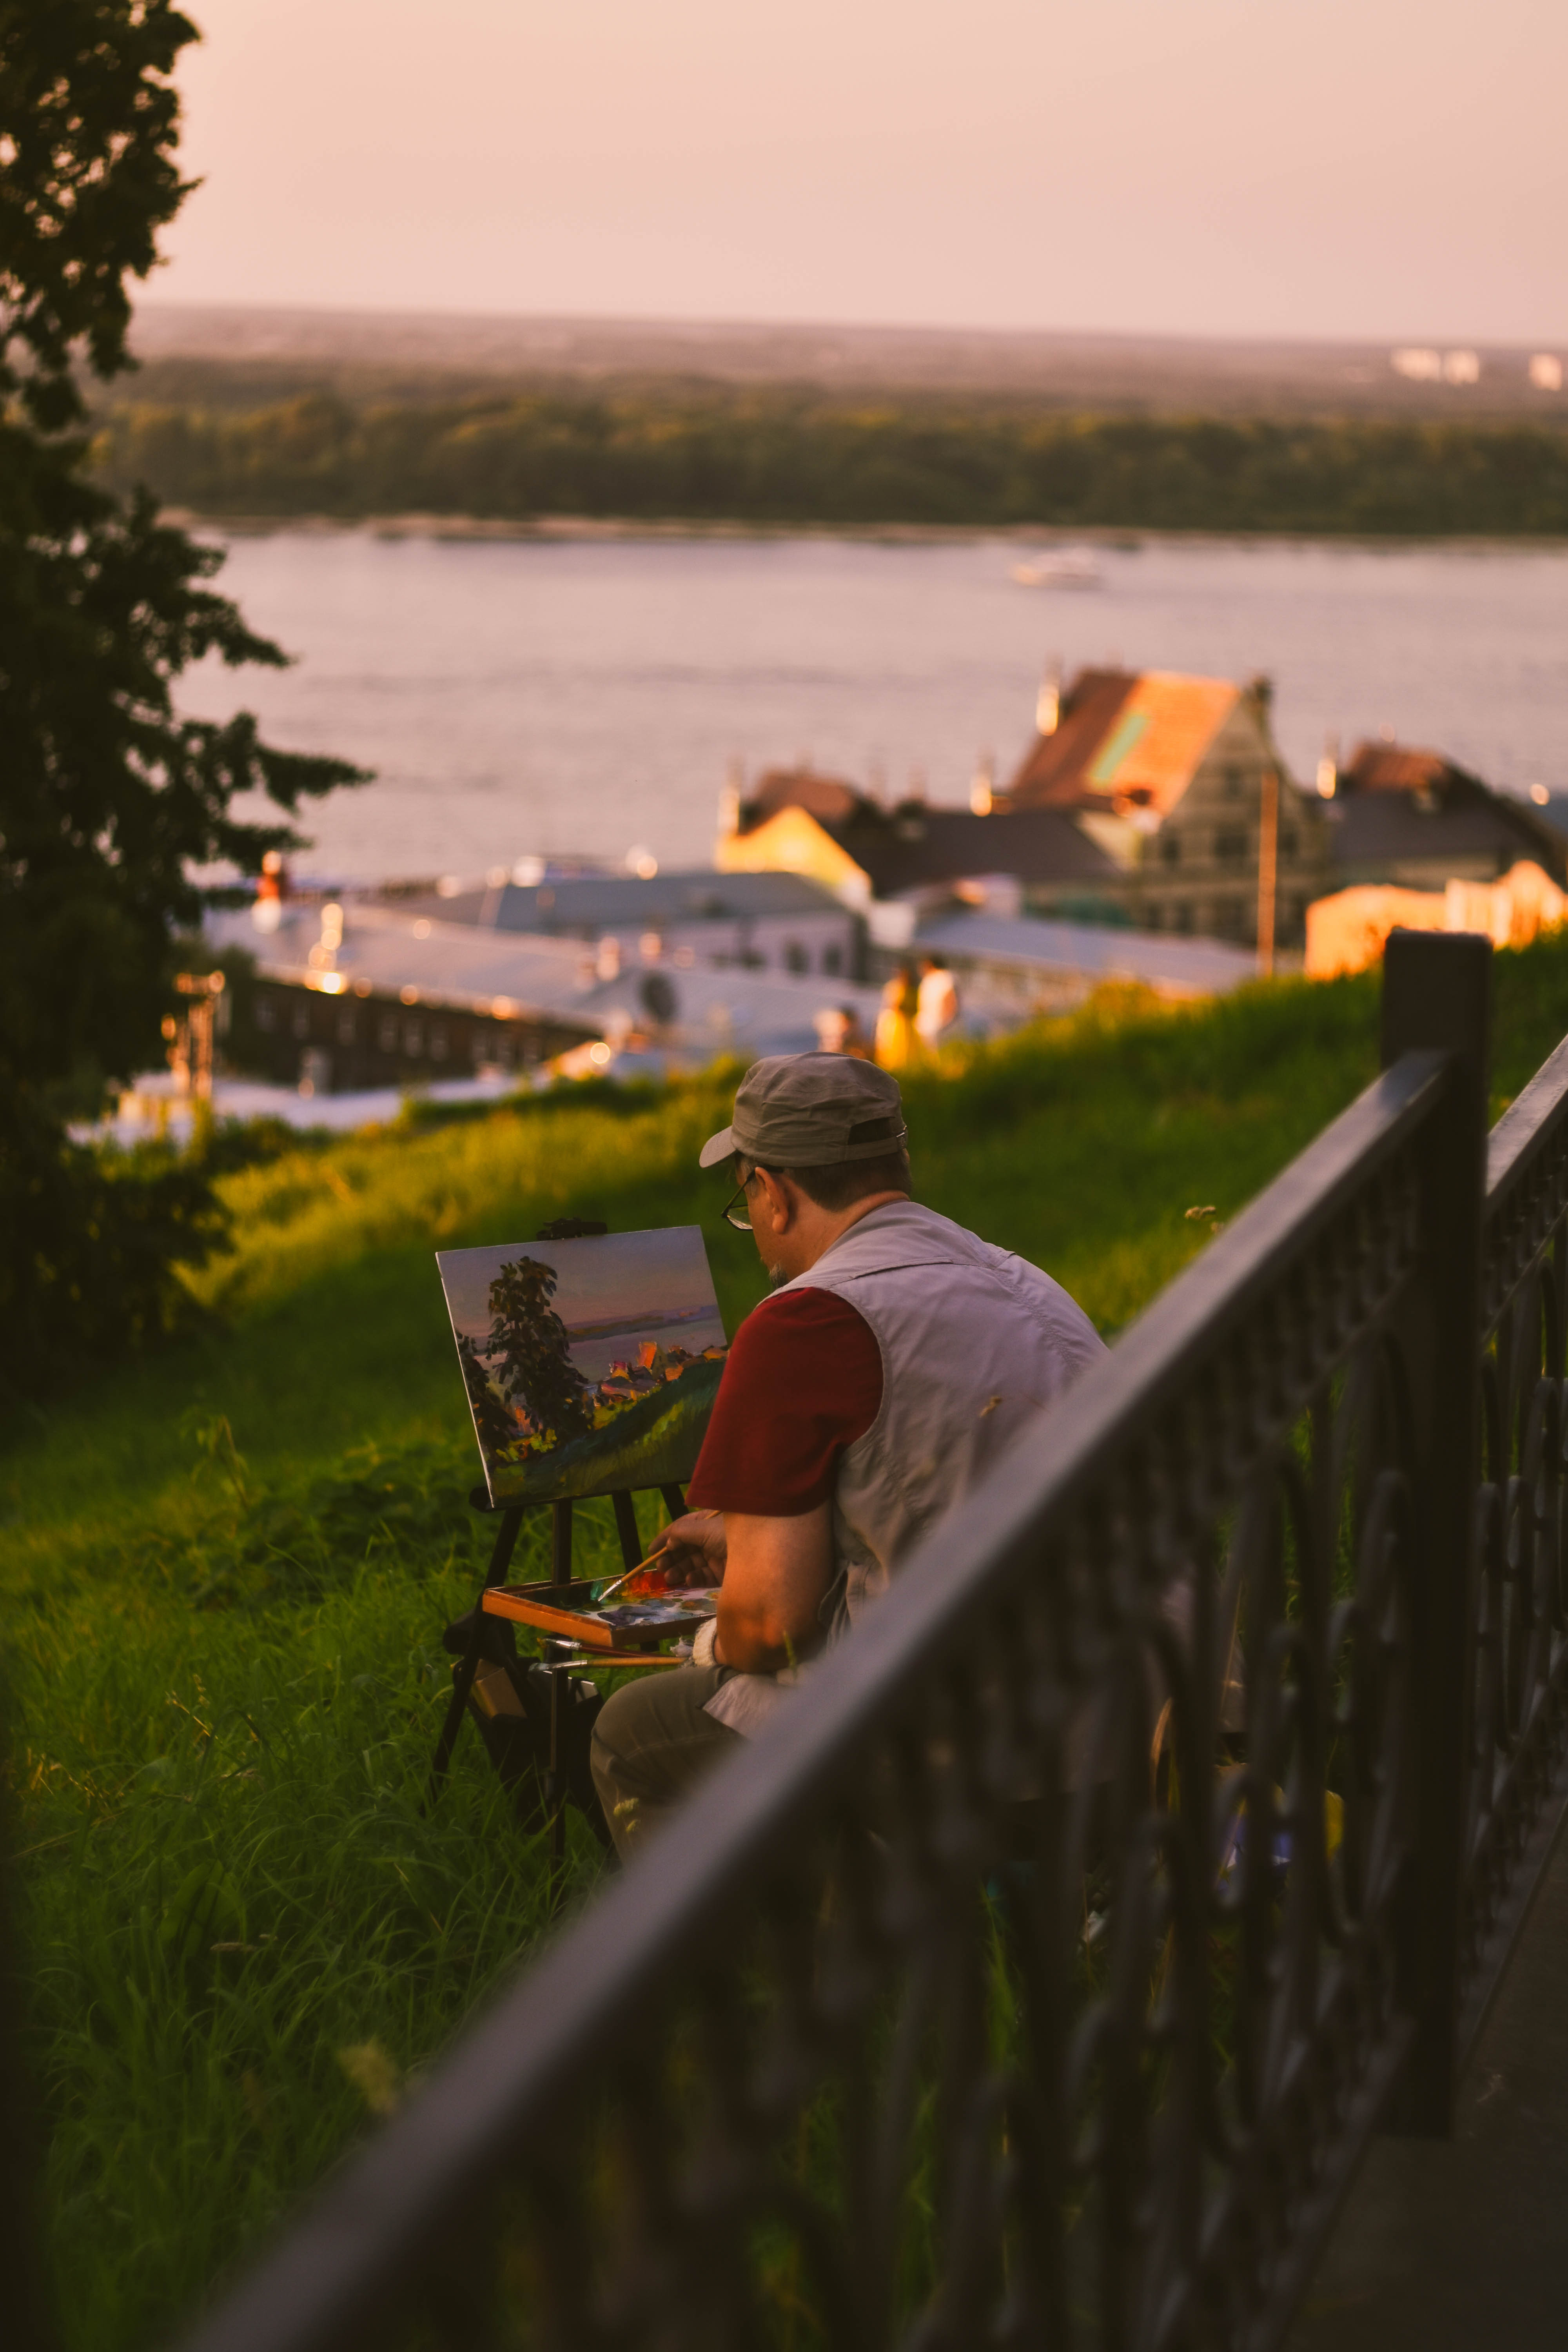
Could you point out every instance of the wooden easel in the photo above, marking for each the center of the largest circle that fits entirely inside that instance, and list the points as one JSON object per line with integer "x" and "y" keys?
{"x": 561, "y": 1657}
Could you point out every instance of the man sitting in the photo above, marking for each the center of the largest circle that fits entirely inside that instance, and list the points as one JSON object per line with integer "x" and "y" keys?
{"x": 897, "y": 1359}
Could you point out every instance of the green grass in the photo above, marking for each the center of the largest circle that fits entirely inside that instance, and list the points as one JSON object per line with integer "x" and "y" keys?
{"x": 227, "y": 1573}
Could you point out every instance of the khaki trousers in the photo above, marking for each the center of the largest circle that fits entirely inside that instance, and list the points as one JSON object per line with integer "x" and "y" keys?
{"x": 652, "y": 1743}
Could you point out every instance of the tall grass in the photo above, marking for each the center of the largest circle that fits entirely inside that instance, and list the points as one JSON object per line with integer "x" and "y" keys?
{"x": 227, "y": 1575}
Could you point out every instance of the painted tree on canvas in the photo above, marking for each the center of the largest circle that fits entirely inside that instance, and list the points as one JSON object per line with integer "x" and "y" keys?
{"x": 531, "y": 1354}
{"x": 494, "y": 1425}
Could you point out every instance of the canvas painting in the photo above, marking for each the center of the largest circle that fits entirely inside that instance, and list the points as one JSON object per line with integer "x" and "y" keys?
{"x": 589, "y": 1364}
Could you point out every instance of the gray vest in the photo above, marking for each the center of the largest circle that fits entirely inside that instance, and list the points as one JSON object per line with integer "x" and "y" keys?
{"x": 974, "y": 1342}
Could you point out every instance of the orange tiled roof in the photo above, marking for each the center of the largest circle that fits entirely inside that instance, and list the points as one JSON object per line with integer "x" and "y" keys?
{"x": 1124, "y": 738}
{"x": 1051, "y": 775}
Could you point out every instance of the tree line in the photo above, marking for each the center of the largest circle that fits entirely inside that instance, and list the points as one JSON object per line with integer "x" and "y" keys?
{"x": 787, "y": 457}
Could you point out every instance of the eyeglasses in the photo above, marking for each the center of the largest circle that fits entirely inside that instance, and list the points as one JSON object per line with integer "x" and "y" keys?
{"x": 734, "y": 1211}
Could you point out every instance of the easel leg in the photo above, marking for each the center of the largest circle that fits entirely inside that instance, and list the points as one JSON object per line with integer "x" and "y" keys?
{"x": 561, "y": 1543}
{"x": 555, "y": 1790}
{"x": 626, "y": 1527}
{"x": 463, "y": 1681}
{"x": 674, "y": 1501}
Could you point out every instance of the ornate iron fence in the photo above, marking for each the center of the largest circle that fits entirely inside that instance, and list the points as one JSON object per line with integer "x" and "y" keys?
{"x": 1516, "y": 1794}
{"x": 1038, "y": 1979}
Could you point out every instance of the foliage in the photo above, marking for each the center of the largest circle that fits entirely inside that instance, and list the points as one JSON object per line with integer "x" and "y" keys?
{"x": 90, "y": 119}
{"x": 225, "y": 1657}
{"x": 783, "y": 456}
{"x": 108, "y": 798}
{"x": 102, "y": 1233}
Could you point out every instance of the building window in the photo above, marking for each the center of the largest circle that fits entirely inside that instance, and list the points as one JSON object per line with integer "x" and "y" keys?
{"x": 437, "y": 1042}
{"x": 833, "y": 958}
{"x": 1229, "y": 846}
{"x": 1170, "y": 850}
{"x": 266, "y": 1016}
{"x": 1182, "y": 915}
{"x": 1233, "y": 782}
{"x": 795, "y": 957}
{"x": 503, "y": 1052}
{"x": 345, "y": 1028}
{"x": 388, "y": 1032}
{"x": 1288, "y": 844}
{"x": 301, "y": 1021}
{"x": 413, "y": 1037}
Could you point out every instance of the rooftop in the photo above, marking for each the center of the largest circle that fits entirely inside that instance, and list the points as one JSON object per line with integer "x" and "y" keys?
{"x": 829, "y": 799}
{"x": 1396, "y": 805}
{"x": 1172, "y": 966}
{"x": 906, "y": 847}
{"x": 919, "y": 845}
{"x": 1124, "y": 735}
{"x": 584, "y": 906}
{"x": 450, "y": 965}
{"x": 1385, "y": 767}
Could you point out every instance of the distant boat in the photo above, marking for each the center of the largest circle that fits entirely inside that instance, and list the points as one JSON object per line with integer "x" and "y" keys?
{"x": 1059, "y": 567}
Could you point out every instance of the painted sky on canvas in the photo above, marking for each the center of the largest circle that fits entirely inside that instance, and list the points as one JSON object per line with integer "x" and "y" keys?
{"x": 622, "y": 1277}
{"x": 1311, "y": 167}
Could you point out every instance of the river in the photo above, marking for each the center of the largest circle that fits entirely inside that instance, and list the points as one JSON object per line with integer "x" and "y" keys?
{"x": 581, "y": 696}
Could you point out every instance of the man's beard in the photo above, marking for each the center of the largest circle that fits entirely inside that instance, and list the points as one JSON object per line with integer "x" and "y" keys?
{"x": 777, "y": 1276}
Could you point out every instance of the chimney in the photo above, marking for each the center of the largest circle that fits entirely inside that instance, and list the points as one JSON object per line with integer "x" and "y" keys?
{"x": 1049, "y": 701}
{"x": 730, "y": 801}
{"x": 1329, "y": 768}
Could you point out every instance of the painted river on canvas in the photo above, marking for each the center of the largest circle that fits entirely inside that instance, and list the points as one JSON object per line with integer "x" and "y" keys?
{"x": 581, "y": 696}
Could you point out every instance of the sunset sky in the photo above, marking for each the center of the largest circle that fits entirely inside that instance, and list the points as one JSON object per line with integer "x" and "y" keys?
{"x": 1370, "y": 168}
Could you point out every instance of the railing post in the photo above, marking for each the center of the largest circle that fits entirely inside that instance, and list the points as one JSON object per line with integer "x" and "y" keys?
{"x": 1436, "y": 992}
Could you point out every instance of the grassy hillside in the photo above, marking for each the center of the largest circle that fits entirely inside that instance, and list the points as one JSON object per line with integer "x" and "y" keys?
{"x": 226, "y": 1577}
{"x": 785, "y": 457}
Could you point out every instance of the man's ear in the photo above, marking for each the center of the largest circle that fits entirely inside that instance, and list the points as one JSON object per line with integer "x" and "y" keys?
{"x": 780, "y": 1198}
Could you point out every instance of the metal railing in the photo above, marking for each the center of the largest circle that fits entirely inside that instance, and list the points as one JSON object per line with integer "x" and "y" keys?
{"x": 1040, "y": 1975}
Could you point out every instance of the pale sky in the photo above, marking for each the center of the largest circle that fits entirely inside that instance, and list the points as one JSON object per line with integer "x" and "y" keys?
{"x": 1358, "y": 168}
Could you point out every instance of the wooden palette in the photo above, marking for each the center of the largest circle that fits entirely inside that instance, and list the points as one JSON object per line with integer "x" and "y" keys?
{"x": 566, "y": 1611}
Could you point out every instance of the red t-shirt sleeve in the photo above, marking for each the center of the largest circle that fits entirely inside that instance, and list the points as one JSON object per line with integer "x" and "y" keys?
{"x": 803, "y": 1381}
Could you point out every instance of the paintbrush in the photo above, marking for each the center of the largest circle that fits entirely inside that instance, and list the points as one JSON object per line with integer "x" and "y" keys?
{"x": 628, "y": 1573}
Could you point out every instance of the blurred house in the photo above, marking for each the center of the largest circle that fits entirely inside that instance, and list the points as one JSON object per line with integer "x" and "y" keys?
{"x": 1172, "y": 776}
{"x": 1348, "y": 930}
{"x": 1141, "y": 802}
{"x": 892, "y": 863}
{"x": 1415, "y": 818}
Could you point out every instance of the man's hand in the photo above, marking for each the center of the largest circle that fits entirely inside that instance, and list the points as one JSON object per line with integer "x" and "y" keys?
{"x": 691, "y": 1550}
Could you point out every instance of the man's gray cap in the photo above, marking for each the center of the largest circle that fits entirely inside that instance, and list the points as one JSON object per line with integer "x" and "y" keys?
{"x": 811, "y": 1110}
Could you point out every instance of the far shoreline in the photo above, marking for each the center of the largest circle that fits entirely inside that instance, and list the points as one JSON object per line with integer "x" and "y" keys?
{"x": 565, "y": 530}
